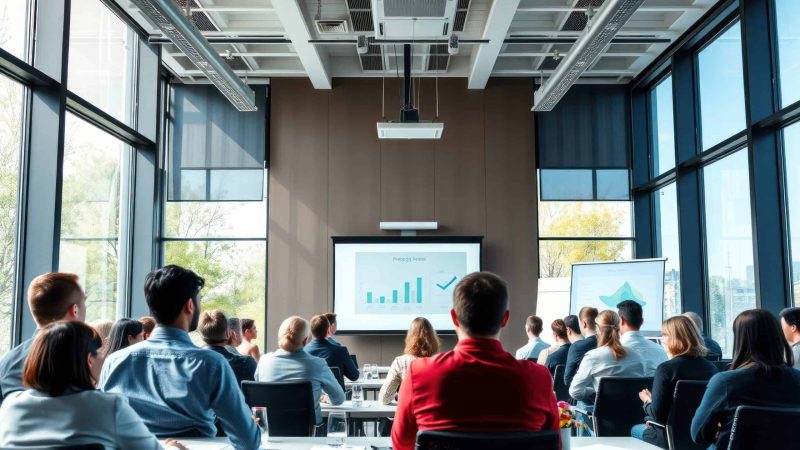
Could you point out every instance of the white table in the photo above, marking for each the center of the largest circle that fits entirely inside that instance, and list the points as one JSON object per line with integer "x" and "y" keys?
{"x": 369, "y": 409}
{"x": 295, "y": 443}
{"x": 365, "y": 384}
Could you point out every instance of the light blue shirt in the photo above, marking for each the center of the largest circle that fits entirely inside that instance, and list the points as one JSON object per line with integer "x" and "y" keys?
{"x": 532, "y": 348}
{"x": 599, "y": 363}
{"x": 177, "y": 387}
{"x": 11, "y": 366}
{"x": 298, "y": 365}
{"x": 651, "y": 353}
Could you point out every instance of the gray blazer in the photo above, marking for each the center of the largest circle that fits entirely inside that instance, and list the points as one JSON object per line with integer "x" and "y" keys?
{"x": 281, "y": 365}
{"x": 34, "y": 419}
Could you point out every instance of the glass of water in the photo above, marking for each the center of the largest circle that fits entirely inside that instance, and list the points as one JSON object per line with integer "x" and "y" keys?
{"x": 337, "y": 428}
{"x": 358, "y": 395}
{"x": 375, "y": 374}
{"x": 367, "y": 371}
{"x": 260, "y": 413}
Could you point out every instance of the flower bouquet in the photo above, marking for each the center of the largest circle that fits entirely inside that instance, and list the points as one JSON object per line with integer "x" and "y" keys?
{"x": 567, "y": 421}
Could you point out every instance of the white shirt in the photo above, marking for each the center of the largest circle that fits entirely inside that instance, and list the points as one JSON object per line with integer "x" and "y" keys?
{"x": 651, "y": 353}
{"x": 600, "y": 363}
{"x": 796, "y": 354}
{"x": 532, "y": 348}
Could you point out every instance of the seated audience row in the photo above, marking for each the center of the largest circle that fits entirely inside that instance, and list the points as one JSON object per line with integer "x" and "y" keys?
{"x": 557, "y": 354}
{"x": 421, "y": 342}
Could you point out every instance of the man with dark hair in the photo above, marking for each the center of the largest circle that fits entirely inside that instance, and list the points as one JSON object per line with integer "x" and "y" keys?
{"x": 531, "y": 350}
{"x": 52, "y": 297}
{"x": 478, "y": 386}
{"x": 249, "y": 347}
{"x": 714, "y": 350}
{"x": 331, "y": 316}
{"x": 631, "y": 320}
{"x": 235, "y": 339}
{"x": 334, "y": 354}
{"x": 579, "y": 347}
{"x": 790, "y": 323}
{"x": 177, "y": 388}
{"x": 215, "y": 332}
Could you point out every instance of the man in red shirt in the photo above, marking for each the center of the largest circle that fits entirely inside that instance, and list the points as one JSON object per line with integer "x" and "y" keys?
{"x": 478, "y": 386}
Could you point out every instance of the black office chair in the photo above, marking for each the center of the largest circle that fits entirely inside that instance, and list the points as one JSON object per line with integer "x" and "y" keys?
{"x": 685, "y": 401}
{"x": 81, "y": 447}
{"x": 455, "y": 440}
{"x": 617, "y": 406}
{"x": 337, "y": 373}
{"x": 722, "y": 364}
{"x": 533, "y": 359}
{"x": 290, "y": 406}
{"x": 713, "y": 357}
{"x": 561, "y": 389}
{"x": 355, "y": 360}
{"x": 762, "y": 427}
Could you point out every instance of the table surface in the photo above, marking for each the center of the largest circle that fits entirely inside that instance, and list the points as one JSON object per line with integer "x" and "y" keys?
{"x": 369, "y": 409}
{"x": 365, "y": 384}
{"x": 300, "y": 443}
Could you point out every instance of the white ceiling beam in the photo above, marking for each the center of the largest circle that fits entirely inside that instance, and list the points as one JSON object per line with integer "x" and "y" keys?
{"x": 497, "y": 24}
{"x": 248, "y": 54}
{"x": 315, "y": 62}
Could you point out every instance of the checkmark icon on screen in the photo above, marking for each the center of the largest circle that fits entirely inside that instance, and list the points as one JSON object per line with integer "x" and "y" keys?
{"x": 445, "y": 286}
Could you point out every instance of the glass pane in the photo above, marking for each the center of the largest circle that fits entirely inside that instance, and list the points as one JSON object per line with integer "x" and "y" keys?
{"x": 585, "y": 219}
{"x": 787, "y": 16}
{"x": 662, "y": 127}
{"x": 216, "y": 219}
{"x": 791, "y": 142}
{"x": 11, "y": 97}
{"x": 13, "y": 27}
{"x": 729, "y": 245}
{"x": 90, "y": 214}
{"x": 667, "y": 246}
{"x": 612, "y": 184}
{"x": 566, "y": 184}
{"x": 721, "y": 82}
{"x": 99, "y": 58}
{"x": 556, "y": 257}
{"x": 234, "y": 272}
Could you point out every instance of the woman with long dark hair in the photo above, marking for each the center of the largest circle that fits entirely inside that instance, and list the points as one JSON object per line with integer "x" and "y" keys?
{"x": 421, "y": 341}
{"x": 124, "y": 333}
{"x": 760, "y": 374}
{"x": 61, "y": 406}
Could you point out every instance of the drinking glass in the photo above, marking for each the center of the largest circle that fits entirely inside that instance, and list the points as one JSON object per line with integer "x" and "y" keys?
{"x": 337, "y": 428}
{"x": 375, "y": 374}
{"x": 358, "y": 395}
{"x": 367, "y": 371}
{"x": 260, "y": 413}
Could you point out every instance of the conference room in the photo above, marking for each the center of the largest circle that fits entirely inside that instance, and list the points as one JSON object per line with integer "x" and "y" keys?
{"x": 407, "y": 224}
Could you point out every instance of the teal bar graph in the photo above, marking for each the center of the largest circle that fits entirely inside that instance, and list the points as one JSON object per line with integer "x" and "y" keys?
{"x": 394, "y": 296}
{"x": 383, "y": 299}
{"x": 419, "y": 290}
{"x": 369, "y": 297}
{"x": 407, "y": 291}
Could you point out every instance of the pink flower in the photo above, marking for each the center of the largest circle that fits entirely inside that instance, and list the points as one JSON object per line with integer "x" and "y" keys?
{"x": 563, "y": 404}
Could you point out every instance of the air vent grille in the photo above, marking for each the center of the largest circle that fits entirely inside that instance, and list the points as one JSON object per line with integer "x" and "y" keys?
{"x": 438, "y": 58}
{"x": 331, "y": 26}
{"x": 360, "y": 15}
{"x": 237, "y": 63}
{"x": 577, "y": 19}
{"x": 414, "y": 8}
{"x": 461, "y": 15}
{"x": 373, "y": 59}
{"x": 200, "y": 20}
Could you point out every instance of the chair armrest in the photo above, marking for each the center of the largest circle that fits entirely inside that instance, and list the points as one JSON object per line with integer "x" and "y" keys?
{"x": 656, "y": 424}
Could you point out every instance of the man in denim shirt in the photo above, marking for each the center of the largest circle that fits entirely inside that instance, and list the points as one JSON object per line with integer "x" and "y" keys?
{"x": 177, "y": 388}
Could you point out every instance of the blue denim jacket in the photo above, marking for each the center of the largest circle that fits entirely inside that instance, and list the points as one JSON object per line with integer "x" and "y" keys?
{"x": 177, "y": 388}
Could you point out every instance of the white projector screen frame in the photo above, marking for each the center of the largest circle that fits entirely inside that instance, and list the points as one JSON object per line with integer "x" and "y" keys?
{"x": 345, "y": 295}
{"x": 612, "y": 272}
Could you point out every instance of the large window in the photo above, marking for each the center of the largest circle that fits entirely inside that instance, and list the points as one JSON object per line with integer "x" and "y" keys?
{"x": 787, "y": 16}
{"x": 665, "y": 202}
{"x": 13, "y": 27}
{"x": 729, "y": 244}
{"x": 791, "y": 142}
{"x": 11, "y": 95}
{"x": 100, "y": 49}
{"x": 662, "y": 124}
{"x": 721, "y": 85}
{"x": 90, "y": 213}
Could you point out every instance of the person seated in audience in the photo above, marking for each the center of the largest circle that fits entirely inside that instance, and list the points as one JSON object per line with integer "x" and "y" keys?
{"x": 478, "y": 386}
{"x": 790, "y": 324}
{"x": 124, "y": 333}
{"x": 421, "y": 342}
{"x": 235, "y": 340}
{"x": 556, "y": 354}
{"x": 630, "y": 313}
{"x": 332, "y": 320}
{"x": 103, "y": 327}
{"x": 609, "y": 359}
{"x": 713, "y": 348}
{"x": 586, "y": 320}
{"x": 148, "y": 324}
{"x": 177, "y": 388}
{"x": 214, "y": 330}
{"x": 249, "y": 347}
{"x": 761, "y": 374}
{"x": 687, "y": 361}
{"x": 292, "y": 363}
{"x": 61, "y": 406}
{"x": 533, "y": 328}
{"x": 51, "y": 297}
{"x": 333, "y": 354}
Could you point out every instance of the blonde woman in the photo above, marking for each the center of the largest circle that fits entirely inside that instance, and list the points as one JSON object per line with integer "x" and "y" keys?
{"x": 421, "y": 342}
{"x": 291, "y": 363}
{"x": 609, "y": 359}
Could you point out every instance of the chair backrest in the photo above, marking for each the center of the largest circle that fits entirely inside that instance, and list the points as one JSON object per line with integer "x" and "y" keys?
{"x": 713, "y": 357}
{"x": 456, "y": 440}
{"x": 685, "y": 401}
{"x": 561, "y": 389}
{"x": 617, "y": 407}
{"x": 337, "y": 373}
{"x": 290, "y": 405}
{"x": 762, "y": 427}
{"x": 81, "y": 447}
{"x": 533, "y": 359}
{"x": 722, "y": 364}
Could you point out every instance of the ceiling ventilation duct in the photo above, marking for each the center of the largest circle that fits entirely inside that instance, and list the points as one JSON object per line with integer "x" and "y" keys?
{"x": 413, "y": 19}
{"x": 598, "y": 34}
{"x": 167, "y": 16}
